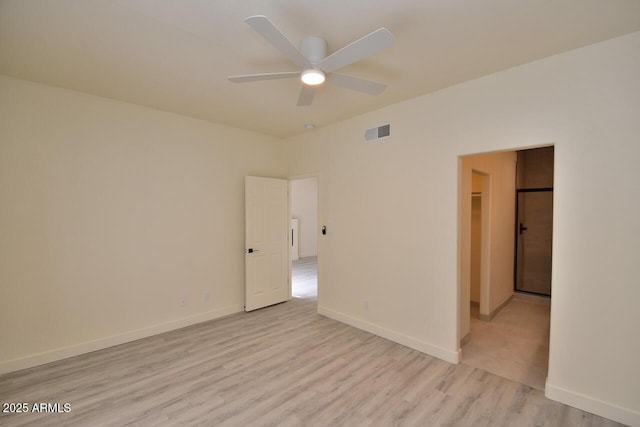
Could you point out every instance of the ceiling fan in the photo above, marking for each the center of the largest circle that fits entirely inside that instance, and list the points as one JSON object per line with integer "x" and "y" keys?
{"x": 313, "y": 60}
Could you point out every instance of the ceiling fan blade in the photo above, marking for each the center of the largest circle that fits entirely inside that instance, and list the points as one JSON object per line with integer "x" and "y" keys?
{"x": 356, "y": 83}
{"x": 306, "y": 96}
{"x": 265, "y": 76}
{"x": 273, "y": 35}
{"x": 372, "y": 43}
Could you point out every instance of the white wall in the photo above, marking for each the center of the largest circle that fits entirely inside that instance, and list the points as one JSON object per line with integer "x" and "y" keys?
{"x": 392, "y": 210}
{"x": 304, "y": 205}
{"x": 109, "y": 214}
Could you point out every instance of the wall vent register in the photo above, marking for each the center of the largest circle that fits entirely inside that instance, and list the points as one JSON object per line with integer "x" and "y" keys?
{"x": 378, "y": 133}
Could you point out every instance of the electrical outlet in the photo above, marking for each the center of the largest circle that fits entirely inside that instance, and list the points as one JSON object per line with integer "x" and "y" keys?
{"x": 365, "y": 305}
{"x": 183, "y": 301}
{"x": 207, "y": 295}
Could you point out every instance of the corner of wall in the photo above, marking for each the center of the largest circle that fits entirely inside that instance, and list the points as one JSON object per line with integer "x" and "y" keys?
{"x": 451, "y": 356}
{"x": 604, "y": 409}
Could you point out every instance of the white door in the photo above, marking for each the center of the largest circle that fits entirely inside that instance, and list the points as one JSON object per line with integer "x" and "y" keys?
{"x": 266, "y": 242}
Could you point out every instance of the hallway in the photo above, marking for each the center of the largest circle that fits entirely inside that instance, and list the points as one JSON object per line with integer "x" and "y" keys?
{"x": 304, "y": 278}
{"x": 515, "y": 343}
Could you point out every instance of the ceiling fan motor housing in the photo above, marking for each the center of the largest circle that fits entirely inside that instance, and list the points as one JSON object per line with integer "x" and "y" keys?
{"x": 313, "y": 48}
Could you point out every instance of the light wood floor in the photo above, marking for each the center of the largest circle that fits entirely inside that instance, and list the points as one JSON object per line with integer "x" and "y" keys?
{"x": 515, "y": 343}
{"x": 284, "y": 365}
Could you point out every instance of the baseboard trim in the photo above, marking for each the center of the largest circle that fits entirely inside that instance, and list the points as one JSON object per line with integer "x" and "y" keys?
{"x": 589, "y": 404}
{"x": 306, "y": 255}
{"x": 416, "y": 344}
{"x": 491, "y": 315}
{"x": 465, "y": 340}
{"x": 113, "y": 340}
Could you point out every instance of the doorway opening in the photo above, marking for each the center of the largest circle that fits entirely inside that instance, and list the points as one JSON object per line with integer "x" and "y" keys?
{"x": 501, "y": 331}
{"x": 303, "y": 194}
{"x": 479, "y": 266}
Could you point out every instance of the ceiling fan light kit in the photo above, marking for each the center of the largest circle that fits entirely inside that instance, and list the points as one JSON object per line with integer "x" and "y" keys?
{"x": 313, "y": 60}
{"x": 312, "y": 77}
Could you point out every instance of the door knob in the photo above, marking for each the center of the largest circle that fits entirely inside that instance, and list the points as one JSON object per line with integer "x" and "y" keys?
{"x": 251, "y": 250}
{"x": 522, "y": 228}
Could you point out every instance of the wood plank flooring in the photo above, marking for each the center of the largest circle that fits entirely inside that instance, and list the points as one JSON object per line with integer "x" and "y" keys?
{"x": 284, "y": 365}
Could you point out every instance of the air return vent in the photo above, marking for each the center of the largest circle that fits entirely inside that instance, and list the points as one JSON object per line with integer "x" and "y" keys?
{"x": 378, "y": 133}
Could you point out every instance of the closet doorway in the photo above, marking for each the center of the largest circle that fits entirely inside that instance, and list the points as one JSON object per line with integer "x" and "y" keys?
{"x": 478, "y": 222}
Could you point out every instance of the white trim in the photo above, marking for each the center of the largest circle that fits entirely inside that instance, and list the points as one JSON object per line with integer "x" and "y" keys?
{"x": 586, "y": 403}
{"x": 414, "y": 343}
{"x": 305, "y": 176}
{"x": 113, "y": 340}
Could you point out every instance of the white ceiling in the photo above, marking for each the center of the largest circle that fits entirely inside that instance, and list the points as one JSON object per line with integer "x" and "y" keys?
{"x": 175, "y": 55}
